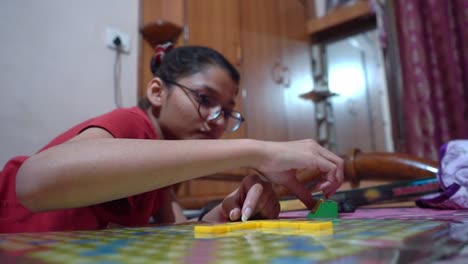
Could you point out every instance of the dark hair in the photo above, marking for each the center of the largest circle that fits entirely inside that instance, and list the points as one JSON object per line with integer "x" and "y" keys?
{"x": 185, "y": 61}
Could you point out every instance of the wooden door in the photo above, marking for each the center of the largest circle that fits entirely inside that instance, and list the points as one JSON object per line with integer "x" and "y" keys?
{"x": 215, "y": 24}
{"x": 296, "y": 58}
{"x": 261, "y": 44}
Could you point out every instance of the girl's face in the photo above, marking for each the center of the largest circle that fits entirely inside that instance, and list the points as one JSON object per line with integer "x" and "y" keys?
{"x": 185, "y": 106}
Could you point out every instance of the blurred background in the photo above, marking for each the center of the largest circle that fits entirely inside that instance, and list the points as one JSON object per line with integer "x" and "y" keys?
{"x": 373, "y": 75}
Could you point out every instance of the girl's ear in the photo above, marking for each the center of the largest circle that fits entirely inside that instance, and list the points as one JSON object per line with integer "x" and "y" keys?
{"x": 155, "y": 91}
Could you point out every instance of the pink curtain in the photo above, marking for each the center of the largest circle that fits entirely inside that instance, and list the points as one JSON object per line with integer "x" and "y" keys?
{"x": 433, "y": 43}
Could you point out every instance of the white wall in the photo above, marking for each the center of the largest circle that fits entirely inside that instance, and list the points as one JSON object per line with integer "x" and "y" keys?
{"x": 55, "y": 69}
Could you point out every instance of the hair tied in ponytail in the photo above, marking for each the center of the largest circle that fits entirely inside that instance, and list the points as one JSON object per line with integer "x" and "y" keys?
{"x": 161, "y": 50}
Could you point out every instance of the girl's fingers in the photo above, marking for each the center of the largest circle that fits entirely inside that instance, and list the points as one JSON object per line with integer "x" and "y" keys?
{"x": 271, "y": 210}
{"x": 235, "y": 214}
{"x": 326, "y": 188}
{"x": 332, "y": 177}
{"x": 268, "y": 206}
{"x": 251, "y": 200}
{"x": 301, "y": 192}
{"x": 231, "y": 206}
{"x": 330, "y": 170}
{"x": 323, "y": 186}
{"x": 335, "y": 160}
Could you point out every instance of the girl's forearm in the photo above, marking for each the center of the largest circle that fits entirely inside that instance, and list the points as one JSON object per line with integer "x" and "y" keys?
{"x": 87, "y": 172}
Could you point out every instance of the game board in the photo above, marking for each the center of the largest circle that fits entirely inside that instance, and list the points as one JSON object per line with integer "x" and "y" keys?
{"x": 350, "y": 241}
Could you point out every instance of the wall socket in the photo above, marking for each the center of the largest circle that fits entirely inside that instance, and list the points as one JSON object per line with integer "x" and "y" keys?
{"x": 112, "y": 34}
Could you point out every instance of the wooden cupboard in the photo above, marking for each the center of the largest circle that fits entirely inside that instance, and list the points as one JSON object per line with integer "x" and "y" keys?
{"x": 150, "y": 12}
{"x": 267, "y": 41}
{"x": 216, "y": 24}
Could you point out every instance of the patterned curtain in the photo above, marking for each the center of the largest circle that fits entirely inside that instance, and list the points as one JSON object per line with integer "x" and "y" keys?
{"x": 433, "y": 43}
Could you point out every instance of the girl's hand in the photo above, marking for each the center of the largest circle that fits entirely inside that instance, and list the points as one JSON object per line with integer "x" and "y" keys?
{"x": 254, "y": 198}
{"x": 282, "y": 160}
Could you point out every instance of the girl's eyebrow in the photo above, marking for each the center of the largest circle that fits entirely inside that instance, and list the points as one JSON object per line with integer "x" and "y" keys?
{"x": 212, "y": 91}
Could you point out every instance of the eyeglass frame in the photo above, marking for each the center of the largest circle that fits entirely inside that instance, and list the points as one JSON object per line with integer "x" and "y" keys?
{"x": 199, "y": 97}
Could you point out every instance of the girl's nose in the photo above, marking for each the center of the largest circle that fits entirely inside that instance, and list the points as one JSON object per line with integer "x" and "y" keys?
{"x": 219, "y": 122}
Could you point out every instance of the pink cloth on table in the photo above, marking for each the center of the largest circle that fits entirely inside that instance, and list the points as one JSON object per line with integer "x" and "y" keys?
{"x": 392, "y": 213}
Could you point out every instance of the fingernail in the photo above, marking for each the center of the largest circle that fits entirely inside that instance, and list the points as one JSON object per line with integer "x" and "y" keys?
{"x": 234, "y": 214}
{"x": 231, "y": 215}
{"x": 247, "y": 213}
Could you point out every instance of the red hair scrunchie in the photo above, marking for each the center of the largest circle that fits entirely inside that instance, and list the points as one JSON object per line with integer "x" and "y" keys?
{"x": 161, "y": 50}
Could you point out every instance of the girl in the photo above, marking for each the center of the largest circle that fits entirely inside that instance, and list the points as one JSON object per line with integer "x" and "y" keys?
{"x": 118, "y": 168}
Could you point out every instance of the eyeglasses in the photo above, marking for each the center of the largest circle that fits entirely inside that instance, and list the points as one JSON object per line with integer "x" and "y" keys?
{"x": 210, "y": 109}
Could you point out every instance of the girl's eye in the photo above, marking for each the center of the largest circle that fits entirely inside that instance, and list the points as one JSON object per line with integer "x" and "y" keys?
{"x": 207, "y": 101}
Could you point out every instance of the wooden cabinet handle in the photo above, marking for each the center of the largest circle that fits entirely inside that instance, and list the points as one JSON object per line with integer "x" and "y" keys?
{"x": 277, "y": 73}
{"x": 281, "y": 74}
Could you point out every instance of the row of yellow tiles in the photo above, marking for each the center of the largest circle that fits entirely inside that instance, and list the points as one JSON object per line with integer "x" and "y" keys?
{"x": 263, "y": 224}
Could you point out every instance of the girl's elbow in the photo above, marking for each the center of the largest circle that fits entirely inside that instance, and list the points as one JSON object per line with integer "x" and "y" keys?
{"x": 27, "y": 188}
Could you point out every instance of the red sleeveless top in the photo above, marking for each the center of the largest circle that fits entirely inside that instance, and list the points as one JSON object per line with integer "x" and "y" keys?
{"x": 135, "y": 210}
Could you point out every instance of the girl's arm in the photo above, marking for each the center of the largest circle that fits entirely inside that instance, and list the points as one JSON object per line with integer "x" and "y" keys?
{"x": 94, "y": 167}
